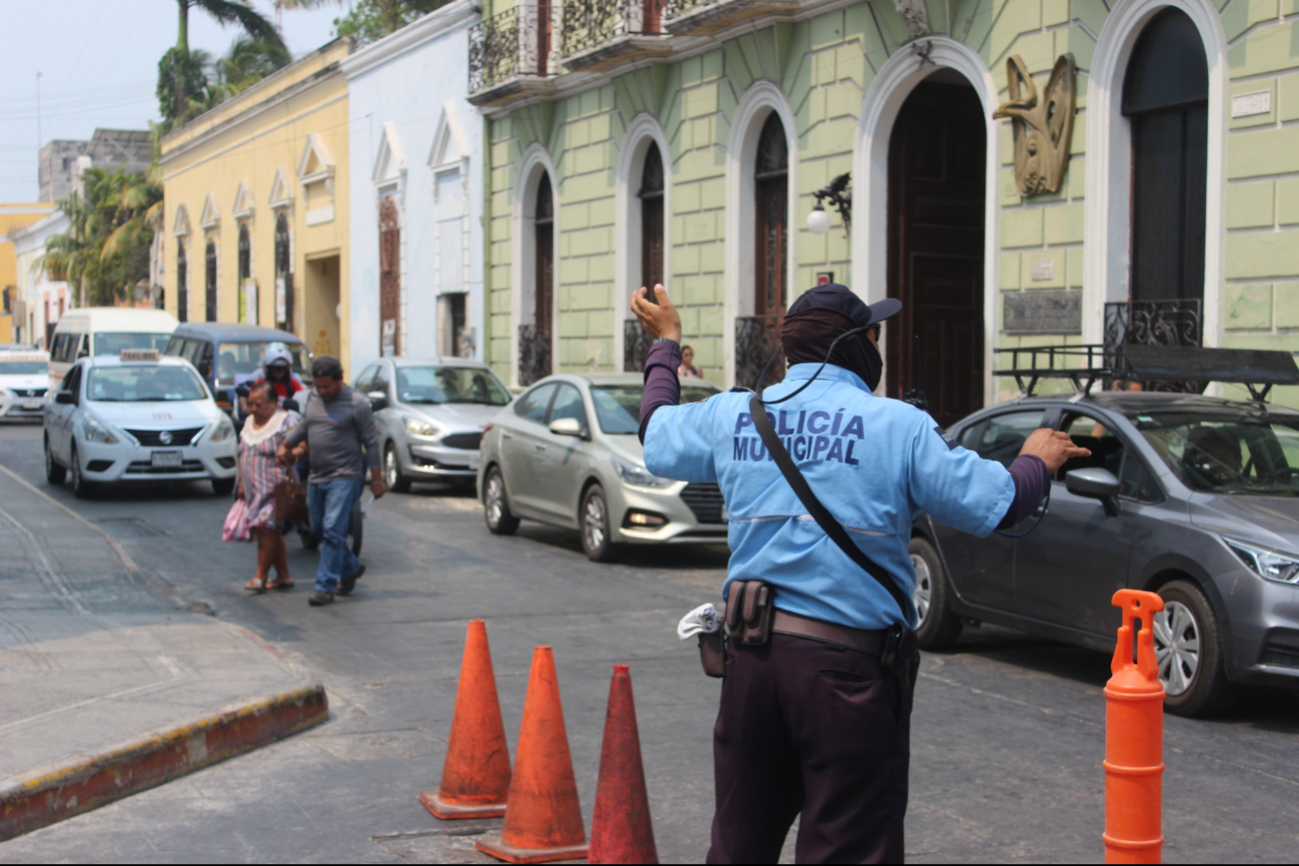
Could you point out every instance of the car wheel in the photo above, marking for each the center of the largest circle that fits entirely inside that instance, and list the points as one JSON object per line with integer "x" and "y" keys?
{"x": 223, "y": 486}
{"x": 54, "y": 473}
{"x": 392, "y": 476}
{"x": 496, "y": 507}
{"x": 936, "y": 626}
{"x": 80, "y": 486}
{"x": 596, "y": 538}
{"x": 1188, "y": 645}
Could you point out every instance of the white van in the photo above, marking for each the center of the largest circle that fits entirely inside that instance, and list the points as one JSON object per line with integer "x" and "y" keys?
{"x": 95, "y": 331}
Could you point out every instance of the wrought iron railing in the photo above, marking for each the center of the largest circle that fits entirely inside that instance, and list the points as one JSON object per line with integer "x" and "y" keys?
{"x": 677, "y": 8}
{"x": 1154, "y": 323}
{"x": 636, "y": 343}
{"x": 591, "y": 23}
{"x": 756, "y": 338}
{"x": 534, "y": 355}
{"x": 514, "y": 43}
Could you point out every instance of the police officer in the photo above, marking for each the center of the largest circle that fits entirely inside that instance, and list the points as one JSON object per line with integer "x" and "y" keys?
{"x": 816, "y": 719}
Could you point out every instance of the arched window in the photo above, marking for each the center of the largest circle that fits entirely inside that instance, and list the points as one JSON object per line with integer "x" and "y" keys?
{"x": 536, "y": 356}
{"x": 771, "y": 209}
{"x": 1166, "y": 96}
{"x": 245, "y": 273}
{"x": 389, "y": 276}
{"x": 211, "y": 299}
{"x": 651, "y": 218}
{"x": 283, "y": 275}
{"x": 182, "y": 282}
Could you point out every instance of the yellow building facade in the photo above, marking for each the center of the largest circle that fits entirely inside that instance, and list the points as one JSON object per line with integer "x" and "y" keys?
{"x": 14, "y": 217}
{"x": 257, "y": 206}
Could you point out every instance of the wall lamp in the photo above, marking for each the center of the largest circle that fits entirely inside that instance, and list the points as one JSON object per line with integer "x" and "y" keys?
{"x": 840, "y": 198}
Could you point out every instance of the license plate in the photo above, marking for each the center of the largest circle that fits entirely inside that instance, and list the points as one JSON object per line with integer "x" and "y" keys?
{"x": 473, "y": 462}
{"x": 31, "y": 404}
{"x": 163, "y": 459}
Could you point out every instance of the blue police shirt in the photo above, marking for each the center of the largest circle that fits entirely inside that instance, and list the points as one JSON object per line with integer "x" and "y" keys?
{"x": 875, "y": 463}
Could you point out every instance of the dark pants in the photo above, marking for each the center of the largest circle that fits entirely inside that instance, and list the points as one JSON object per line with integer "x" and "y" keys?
{"x": 808, "y": 727}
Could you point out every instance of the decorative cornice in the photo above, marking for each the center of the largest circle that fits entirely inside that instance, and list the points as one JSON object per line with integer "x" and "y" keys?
{"x": 460, "y": 14}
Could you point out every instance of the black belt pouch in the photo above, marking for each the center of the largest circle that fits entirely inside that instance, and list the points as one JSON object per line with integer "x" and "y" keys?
{"x": 749, "y": 612}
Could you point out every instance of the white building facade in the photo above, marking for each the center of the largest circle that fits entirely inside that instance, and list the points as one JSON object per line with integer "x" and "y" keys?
{"x": 40, "y": 300}
{"x": 416, "y": 175}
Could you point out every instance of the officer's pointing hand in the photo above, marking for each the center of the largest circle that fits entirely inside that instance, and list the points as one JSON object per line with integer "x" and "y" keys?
{"x": 661, "y": 319}
{"x": 1054, "y": 447}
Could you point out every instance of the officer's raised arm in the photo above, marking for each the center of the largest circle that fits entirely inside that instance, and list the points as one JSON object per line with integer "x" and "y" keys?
{"x": 660, "y": 320}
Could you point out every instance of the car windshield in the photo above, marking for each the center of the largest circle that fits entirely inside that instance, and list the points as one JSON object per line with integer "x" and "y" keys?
{"x": 450, "y": 385}
{"x": 245, "y": 359}
{"x": 617, "y": 407}
{"x": 1248, "y": 452}
{"x": 140, "y": 383}
{"x": 113, "y": 342}
{"x": 23, "y": 368}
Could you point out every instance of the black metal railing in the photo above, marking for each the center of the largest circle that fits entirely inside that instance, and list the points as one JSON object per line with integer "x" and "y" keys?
{"x": 534, "y": 355}
{"x": 591, "y": 23}
{"x": 756, "y": 338}
{"x": 509, "y": 45}
{"x": 1154, "y": 323}
{"x": 677, "y": 8}
{"x": 636, "y": 344}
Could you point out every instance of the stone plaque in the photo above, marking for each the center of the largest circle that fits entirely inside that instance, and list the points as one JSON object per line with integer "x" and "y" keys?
{"x": 1043, "y": 269}
{"x": 1250, "y": 104}
{"x": 1043, "y": 312}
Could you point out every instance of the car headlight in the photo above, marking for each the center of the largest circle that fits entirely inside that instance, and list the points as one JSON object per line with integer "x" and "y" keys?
{"x": 423, "y": 429}
{"x": 225, "y": 429}
{"x": 638, "y": 476}
{"x": 93, "y": 430}
{"x": 1267, "y": 564}
{"x": 4, "y": 393}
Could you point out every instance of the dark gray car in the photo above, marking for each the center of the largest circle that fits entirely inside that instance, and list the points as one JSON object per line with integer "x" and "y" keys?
{"x": 1193, "y": 497}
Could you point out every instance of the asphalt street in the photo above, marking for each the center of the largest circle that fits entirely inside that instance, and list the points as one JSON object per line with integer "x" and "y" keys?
{"x": 1008, "y": 734}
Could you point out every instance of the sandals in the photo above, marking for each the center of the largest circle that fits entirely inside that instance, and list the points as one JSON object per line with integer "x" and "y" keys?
{"x": 255, "y": 586}
{"x": 279, "y": 583}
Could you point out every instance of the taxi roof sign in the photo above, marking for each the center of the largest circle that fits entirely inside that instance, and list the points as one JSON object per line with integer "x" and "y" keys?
{"x": 138, "y": 355}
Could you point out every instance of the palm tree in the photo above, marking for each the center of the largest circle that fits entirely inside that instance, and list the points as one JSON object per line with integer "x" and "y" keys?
{"x": 247, "y": 62}
{"x": 238, "y": 12}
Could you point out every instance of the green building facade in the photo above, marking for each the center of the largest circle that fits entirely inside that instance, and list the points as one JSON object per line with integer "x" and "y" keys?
{"x": 1168, "y": 212}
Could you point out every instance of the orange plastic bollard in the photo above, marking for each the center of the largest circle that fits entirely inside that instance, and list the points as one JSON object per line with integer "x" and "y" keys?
{"x": 1134, "y": 738}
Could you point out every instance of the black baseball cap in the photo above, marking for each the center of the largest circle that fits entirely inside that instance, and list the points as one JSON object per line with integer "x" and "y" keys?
{"x": 841, "y": 298}
{"x": 327, "y": 366}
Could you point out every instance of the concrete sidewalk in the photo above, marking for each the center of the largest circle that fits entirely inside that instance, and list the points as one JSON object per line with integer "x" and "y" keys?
{"x": 106, "y": 683}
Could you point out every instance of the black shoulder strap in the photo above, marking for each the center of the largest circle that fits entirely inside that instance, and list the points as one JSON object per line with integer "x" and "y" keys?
{"x": 819, "y": 513}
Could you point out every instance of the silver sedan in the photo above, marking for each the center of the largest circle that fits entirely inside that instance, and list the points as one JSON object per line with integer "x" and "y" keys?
{"x": 566, "y": 453}
{"x": 430, "y": 416}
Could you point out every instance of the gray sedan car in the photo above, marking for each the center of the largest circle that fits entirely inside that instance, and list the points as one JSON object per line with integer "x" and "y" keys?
{"x": 430, "y": 416}
{"x": 1193, "y": 497}
{"x": 566, "y": 453}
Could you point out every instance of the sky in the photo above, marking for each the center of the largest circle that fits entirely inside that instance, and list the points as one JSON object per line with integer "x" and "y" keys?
{"x": 98, "y": 61}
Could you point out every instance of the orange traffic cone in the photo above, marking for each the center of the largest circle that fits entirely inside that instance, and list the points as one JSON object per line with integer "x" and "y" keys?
{"x": 476, "y": 774}
{"x": 621, "y": 831}
{"x": 544, "y": 820}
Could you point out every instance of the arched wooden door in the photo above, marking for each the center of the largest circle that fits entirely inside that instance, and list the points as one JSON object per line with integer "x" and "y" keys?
{"x": 389, "y": 277}
{"x": 937, "y": 180}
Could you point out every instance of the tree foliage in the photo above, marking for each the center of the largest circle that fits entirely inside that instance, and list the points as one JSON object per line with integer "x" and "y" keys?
{"x": 106, "y": 250}
{"x": 370, "y": 20}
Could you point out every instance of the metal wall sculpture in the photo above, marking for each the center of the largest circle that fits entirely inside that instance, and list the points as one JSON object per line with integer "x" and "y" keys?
{"x": 1043, "y": 129}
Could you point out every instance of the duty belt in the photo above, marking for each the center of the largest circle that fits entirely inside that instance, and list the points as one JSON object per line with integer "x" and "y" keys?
{"x": 882, "y": 643}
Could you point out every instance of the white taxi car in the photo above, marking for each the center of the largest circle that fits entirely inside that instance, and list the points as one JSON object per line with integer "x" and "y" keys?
{"x": 24, "y": 379}
{"x": 137, "y": 417}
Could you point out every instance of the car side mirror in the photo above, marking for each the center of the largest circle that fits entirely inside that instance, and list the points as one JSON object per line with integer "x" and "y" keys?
{"x": 568, "y": 427}
{"x": 65, "y": 398}
{"x": 378, "y": 400}
{"x": 1095, "y": 484}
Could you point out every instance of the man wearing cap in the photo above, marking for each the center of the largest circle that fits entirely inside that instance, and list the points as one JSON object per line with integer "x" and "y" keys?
{"x": 815, "y": 718}
{"x": 336, "y": 425}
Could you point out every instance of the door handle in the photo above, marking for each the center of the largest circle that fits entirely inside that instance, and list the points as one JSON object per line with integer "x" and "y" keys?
{"x": 505, "y": 434}
{"x": 539, "y": 446}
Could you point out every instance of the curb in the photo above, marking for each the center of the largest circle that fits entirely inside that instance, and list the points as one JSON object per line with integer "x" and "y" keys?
{"x": 51, "y": 794}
